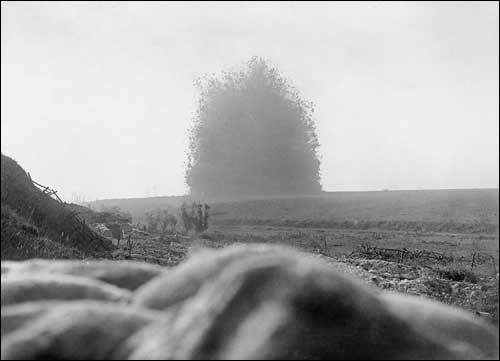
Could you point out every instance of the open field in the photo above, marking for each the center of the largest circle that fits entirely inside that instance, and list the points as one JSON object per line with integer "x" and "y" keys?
{"x": 457, "y": 223}
{"x": 441, "y": 244}
{"x": 462, "y": 211}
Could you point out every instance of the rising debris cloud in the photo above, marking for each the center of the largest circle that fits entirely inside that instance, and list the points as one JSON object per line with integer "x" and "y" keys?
{"x": 253, "y": 134}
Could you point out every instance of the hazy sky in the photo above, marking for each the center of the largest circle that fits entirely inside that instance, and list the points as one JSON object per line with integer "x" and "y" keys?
{"x": 97, "y": 98}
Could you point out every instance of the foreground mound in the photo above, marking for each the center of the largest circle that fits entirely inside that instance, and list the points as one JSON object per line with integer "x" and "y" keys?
{"x": 36, "y": 225}
{"x": 252, "y": 302}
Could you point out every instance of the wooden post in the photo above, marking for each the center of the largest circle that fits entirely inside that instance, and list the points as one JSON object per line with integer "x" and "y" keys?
{"x": 494, "y": 264}
{"x": 129, "y": 243}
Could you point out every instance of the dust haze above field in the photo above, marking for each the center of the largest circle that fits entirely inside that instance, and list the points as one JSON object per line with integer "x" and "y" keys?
{"x": 406, "y": 97}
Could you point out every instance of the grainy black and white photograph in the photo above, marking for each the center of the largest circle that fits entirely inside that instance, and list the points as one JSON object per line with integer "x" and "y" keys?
{"x": 249, "y": 180}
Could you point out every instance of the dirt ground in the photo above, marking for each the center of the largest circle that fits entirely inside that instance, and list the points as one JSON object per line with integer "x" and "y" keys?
{"x": 413, "y": 276}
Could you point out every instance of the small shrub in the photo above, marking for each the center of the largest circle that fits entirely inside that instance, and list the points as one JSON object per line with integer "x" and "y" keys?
{"x": 197, "y": 218}
{"x": 458, "y": 274}
{"x": 161, "y": 221}
{"x": 438, "y": 286}
{"x": 208, "y": 236}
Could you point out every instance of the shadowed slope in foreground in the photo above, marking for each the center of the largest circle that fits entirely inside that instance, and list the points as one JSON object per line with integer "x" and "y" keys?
{"x": 252, "y": 302}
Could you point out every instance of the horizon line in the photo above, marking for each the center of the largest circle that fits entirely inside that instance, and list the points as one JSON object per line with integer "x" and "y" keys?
{"x": 306, "y": 195}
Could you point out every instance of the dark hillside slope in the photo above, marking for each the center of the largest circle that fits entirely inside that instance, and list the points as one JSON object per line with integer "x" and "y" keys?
{"x": 29, "y": 217}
